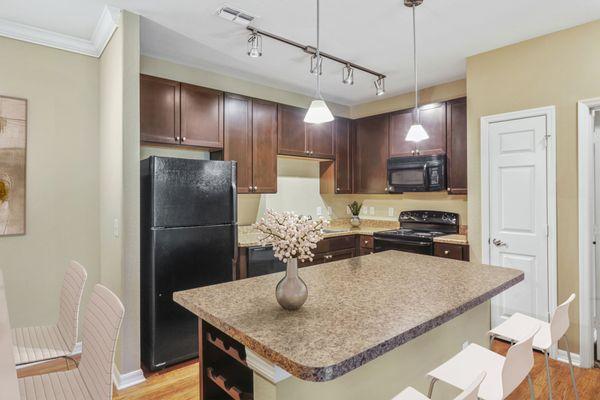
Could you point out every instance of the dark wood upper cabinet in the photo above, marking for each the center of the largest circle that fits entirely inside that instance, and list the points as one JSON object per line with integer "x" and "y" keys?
{"x": 291, "y": 131}
{"x": 343, "y": 156}
{"x": 320, "y": 140}
{"x": 159, "y": 110}
{"x": 400, "y": 122}
{"x": 433, "y": 119}
{"x": 238, "y": 138}
{"x": 201, "y": 116}
{"x": 371, "y": 152}
{"x": 457, "y": 146}
{"x": 264, "y": 146}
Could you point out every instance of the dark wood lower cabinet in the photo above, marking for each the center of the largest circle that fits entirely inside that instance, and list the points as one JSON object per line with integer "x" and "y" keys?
{"x": 451, "y": 250}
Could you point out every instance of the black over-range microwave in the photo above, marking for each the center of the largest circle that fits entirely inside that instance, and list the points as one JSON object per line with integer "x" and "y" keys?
{"x": 417, "y": 173}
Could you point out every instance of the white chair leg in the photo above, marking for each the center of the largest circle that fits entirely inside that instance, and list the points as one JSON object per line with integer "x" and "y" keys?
{"x": 548, "y": 375}
{"x": 431, "y": 385}
{"x": 571, "y": 369}
{"x": 531, "y": 390}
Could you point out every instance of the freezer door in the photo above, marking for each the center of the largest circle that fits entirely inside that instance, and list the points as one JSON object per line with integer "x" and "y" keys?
{"x": 192, "y": 192}
{"x": 184, "y": 258}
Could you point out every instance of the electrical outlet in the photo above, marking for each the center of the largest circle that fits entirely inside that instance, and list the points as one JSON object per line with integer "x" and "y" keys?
{"x": 390, "y": 211}
{"x": 365, "y": 211}
{"x": 372, "y": 210}
{"x": 348, "y": 211}
{"x": 329, "y": 211}
{"x": 116, "y": 228}
{"x": 319, "y": 210}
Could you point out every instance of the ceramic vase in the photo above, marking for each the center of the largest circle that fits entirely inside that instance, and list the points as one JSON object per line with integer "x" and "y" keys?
{"x": 291, "y": 291}
{"x": 355, "y": 221}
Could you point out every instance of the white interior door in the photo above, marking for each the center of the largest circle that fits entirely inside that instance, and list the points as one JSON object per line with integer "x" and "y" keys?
{"x": 518, "y": 213}
{"x": 596, "y": 263}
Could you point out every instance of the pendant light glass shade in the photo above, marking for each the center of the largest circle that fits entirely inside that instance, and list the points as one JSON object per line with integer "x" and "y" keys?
{"x": 318, "y": 113}
{"x": 416, "y": 133}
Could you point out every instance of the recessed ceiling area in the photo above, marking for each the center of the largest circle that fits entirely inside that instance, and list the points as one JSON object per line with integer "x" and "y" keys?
{"x": 376, "y": 35}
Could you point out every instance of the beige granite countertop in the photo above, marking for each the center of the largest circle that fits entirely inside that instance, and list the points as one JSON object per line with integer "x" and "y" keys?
{"x": 248, "y": 236}
{"x": 452, "y": 239}
{"x": 357, "y": 309}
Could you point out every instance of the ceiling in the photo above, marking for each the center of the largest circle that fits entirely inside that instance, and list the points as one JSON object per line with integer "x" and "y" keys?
{"x": 374, "y": 34}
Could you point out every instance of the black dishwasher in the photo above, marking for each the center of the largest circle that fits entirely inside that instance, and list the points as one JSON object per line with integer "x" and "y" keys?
{"x": 262, "y": 261}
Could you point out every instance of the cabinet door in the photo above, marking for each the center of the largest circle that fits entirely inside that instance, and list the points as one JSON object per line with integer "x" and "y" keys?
{"x": 238, "y": 138}
{"x": 201, "y": 117}
{"x": 433, "y": 119}
{"x": 159, "y": 110}
{"x": 291, "y": 131}
{"x": 343, "y": 156}
{"x": 371, "y": 154}
{"x": 457, "y": 146}
{"x": 264, "y": 146}
{"x": 400, "y": 123}
{"x": 320, "y": 139}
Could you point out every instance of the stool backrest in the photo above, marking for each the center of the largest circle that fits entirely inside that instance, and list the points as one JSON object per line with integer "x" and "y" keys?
{"x": 103, "y": 318}
{"x": 559, "y": 322}
{"x": 470, "y": 393}
{"x": 70, "y": 301}
{"x": 518, "y": 363}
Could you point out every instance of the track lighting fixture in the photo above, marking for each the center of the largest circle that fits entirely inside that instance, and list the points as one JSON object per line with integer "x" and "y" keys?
{"x": 380, "y": 86}
{"x": 348, "y": 75}
{"x": 255, "y": 45}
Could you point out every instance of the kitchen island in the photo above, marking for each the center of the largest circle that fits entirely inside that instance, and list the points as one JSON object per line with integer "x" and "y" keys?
{"x": 371, "y": 326}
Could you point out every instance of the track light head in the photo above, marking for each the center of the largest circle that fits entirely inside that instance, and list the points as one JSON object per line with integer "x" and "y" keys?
{"x": 254, "y": 45}
{"x": 313, "y": 65}
{"x": 348, "y": 75}
{"x": 380, "y": 86}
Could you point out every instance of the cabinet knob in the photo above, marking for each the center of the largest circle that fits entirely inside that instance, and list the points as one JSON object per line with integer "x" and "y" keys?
{"x": 387, "y": 189}
{"x": 446, "y": 252}
{"x": 176, "y": 138}
{"x": 255, "y": 188}
{"x": 366, "y": 242}
{"x": 328, "y": 257}
{"x": 250, "y": 188}
{"x": 412, "y": 152}
{"x": 337, "y": 189}
{"x": 183, "y": 138}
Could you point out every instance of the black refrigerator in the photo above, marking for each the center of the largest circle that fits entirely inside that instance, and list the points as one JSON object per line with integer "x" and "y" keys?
{"x": 188, "y": 240}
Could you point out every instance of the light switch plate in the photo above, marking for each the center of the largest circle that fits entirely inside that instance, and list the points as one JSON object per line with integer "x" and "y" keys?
{"x": 319, "y": 210}
{"x": 116, "y": 228}
{"x": 372, "y": 210}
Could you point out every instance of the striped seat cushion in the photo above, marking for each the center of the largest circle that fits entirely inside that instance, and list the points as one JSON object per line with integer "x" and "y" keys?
{"x": 38, "y": 343}
{"x": 64, "y": 385}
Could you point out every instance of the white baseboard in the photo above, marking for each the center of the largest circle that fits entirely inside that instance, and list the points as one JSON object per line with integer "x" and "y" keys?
{"x": 129, "y": 379}
{"x": 562, "y": 356}
{"x": 76, "y": 352}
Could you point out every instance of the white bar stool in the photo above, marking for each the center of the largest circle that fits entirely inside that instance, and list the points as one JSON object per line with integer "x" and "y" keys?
{"x": 42, "y": 343}
{"x": 92, "y": 380}
{"x": 469, "y": 393}
{"x": 517, "y": 326}
{"x": 503, "y": 374}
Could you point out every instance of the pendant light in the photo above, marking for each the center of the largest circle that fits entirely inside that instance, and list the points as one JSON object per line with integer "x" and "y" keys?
{"x": 318, "y": 111}
{"x": 416, "y": 133}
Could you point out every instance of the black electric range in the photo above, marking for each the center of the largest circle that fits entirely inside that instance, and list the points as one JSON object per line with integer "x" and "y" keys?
{"x": 416, "y": 232}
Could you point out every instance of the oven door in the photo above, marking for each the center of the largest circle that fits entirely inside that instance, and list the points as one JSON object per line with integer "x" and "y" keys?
{"x": 424, "y": 247}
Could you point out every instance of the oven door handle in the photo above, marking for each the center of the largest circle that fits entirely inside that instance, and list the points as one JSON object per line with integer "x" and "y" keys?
{"x": 406, "y": 242}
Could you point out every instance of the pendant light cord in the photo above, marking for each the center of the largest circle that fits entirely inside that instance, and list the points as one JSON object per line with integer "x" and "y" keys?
{"x": 415, "y": 61}
{"x": 318, "y": 54}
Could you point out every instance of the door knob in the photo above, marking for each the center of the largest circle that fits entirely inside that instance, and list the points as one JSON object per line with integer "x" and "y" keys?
{"x": 498, "y": 243}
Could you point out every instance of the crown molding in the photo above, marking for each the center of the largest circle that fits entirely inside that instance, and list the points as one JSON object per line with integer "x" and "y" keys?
{"x": 107, "y": 23}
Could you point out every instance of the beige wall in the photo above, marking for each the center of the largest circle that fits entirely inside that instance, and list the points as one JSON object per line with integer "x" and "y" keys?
{"x": 119, "y": 179}
{"x": 62, "y": 177}
{"x": 557, "y": 69}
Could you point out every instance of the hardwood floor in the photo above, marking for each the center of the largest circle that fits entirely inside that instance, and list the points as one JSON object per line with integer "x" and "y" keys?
{"x": 181, "y": 382}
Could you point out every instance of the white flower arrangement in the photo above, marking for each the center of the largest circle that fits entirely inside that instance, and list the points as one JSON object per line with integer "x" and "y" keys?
{"x": 291, "y": 235}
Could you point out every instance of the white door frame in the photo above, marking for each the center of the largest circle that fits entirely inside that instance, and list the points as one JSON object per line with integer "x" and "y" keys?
{"x": 586, "y": 233}
{"x": 549, "y": 112}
